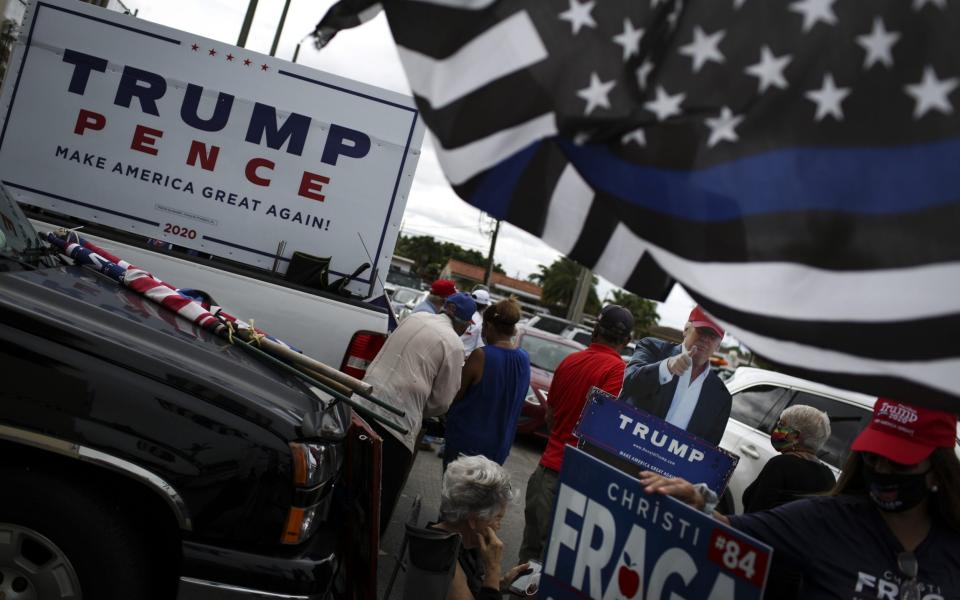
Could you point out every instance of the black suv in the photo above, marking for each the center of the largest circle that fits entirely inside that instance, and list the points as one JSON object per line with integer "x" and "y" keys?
{"x": 141, "y": 457}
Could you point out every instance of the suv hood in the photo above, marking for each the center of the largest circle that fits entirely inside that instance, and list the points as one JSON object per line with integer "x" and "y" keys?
{"x": 82, "y": 310}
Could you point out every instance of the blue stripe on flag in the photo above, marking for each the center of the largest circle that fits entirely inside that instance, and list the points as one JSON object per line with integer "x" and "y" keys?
{"x": 495, "y": 192}
{"x": 876, "y": 181}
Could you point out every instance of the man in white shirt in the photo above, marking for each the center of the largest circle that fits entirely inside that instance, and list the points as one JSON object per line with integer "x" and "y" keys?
{"x": 675, "y": 382}
{"x": 471, "y": 339}
{"x": 418, "y": 371}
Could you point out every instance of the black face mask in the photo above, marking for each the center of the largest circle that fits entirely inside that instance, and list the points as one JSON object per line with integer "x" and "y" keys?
{"x": 895, "y": 492}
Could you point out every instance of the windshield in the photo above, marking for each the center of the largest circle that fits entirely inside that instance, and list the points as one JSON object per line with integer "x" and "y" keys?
{"x": 18, "y": 239}
{"x": 545, "y": 354}
{"x": 550, "y": 324}
{"x": 403, "y": 278}
{"x": 402, "y": 295}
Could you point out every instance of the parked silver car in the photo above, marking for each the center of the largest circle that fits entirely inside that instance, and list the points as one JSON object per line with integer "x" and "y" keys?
{"x": 759, "y": 396}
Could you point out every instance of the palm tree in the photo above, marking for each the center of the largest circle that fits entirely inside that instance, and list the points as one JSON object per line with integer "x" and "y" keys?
{"x": 644, "y": 311}
{"x": 558, "y": 283}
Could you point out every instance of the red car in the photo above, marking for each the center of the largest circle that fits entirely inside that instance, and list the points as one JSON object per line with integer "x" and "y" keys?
{"x": 546, "y": 351}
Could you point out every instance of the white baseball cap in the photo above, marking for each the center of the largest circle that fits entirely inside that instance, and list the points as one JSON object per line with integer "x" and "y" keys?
{"x": 482, "y": 297}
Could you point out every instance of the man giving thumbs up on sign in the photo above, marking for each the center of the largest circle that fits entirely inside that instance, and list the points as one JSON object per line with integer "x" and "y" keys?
{"x": 675, "y": 382}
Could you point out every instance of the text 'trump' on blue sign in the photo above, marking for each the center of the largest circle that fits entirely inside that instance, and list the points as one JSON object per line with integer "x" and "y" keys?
{"x": 642, "y": 441}
{"x": 611, "y": 541}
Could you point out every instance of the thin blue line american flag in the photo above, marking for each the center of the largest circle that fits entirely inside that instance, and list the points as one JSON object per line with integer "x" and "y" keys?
{"x": 794, "y": 164}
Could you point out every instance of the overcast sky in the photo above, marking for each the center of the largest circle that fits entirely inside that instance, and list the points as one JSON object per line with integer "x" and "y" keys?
{"x": 367, "y": 54}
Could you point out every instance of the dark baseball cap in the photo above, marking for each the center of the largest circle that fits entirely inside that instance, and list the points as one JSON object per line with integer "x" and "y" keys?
{"x": 464, "y": 306}
{"x": 617, "y": 319}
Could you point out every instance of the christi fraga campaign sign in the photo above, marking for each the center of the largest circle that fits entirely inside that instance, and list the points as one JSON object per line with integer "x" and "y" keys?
{"x": 185, "y": 139}
{"x": 611, "y": 541}
{"x": 634, "y": 440}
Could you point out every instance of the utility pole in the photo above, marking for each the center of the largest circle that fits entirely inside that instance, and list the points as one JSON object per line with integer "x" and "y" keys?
{"x": 247, "y": 22}
{"x": 493, "y": 245}
{"x": 276, "y": 37}
{"x": 579, "y": 300}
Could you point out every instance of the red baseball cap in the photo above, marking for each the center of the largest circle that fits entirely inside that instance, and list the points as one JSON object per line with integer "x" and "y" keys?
{"x": 698, "y": 318}
{"x": 906, "y": 434}
{"x": 443, "y": 288}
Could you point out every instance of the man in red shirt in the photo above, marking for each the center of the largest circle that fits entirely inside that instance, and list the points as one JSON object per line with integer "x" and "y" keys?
{"x": 600, "y": 366}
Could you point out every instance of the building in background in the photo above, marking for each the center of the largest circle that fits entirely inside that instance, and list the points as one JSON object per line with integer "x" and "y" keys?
{"x": 468, "y": 276}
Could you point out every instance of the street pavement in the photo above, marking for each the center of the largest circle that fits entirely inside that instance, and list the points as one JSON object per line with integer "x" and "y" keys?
{"x": 425, "y": 480}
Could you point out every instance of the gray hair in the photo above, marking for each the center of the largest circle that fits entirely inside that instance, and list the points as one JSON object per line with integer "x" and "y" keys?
{"x": 813, "y": 425}
{"x": 474, "y": 486}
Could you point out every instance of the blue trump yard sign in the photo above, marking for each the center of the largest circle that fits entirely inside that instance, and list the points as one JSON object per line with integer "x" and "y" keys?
{"x": 637, "y": 440}
{"x": 612, "y": 541}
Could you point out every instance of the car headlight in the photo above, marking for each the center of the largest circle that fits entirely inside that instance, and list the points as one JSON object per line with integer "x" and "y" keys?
{"x": 314, "y": 467}
{"x": 314, "y": 464}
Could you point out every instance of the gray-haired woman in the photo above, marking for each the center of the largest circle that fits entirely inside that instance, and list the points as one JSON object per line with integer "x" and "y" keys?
{"x": 474, "y": 498}
{"x": 796, "y": 472}
{"x": 799, "y": 434}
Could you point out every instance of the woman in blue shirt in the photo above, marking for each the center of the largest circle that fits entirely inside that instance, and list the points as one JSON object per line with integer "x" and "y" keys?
{"x": 483, "y": 417}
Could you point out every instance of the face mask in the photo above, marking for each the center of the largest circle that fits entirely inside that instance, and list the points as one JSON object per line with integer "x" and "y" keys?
{"x": 895, "y": 492}
{"x": 782, "y": 438}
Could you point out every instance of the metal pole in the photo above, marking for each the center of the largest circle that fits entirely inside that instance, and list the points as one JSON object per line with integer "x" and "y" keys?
{"x": 276, "y": 36}
{"x": 493, "y": 245}
{"x": 579, "y": 300}
{"x": 247, "y": 22}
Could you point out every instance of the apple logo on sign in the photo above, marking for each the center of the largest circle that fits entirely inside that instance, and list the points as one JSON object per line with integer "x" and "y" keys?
{"x": 627, "y": 578}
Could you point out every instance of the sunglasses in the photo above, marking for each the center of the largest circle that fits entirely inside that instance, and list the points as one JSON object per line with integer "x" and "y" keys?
{"x": 907, "y": 563}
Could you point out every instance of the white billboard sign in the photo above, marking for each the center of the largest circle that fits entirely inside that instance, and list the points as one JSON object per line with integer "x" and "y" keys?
{"x": 184, "y": 139}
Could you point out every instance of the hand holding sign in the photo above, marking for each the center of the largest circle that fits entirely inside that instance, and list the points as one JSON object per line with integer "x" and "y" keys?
{"x": 681, "y": 489}
{"x": 680, "y": 363}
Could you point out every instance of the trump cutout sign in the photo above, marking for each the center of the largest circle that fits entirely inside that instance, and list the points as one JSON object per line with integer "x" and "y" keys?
{"x": 611, "y": 541}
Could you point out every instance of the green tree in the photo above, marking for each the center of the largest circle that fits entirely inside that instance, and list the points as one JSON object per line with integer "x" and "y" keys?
{"x": 559, "y": 284}
{"x": 644, "y": 311}
{"x": 429, "y": 255}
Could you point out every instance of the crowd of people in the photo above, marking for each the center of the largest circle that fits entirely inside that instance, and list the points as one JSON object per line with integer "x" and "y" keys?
{"x": 891, "y": 523}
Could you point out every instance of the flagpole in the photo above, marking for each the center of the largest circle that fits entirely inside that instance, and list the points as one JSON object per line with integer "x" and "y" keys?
{"x": 247, "y": 22}
{"x": 276, "y": 36}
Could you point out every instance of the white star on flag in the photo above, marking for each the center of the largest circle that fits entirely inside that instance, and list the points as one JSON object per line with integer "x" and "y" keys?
{"x": 919, "y": 4}
{"x": 932, "y": 93}
{"x": 596, "y": 93}
{"x": 878, "y": 44}
{"x": 665, "y": 105}
{"x": 579, "y": 15}
{"x": 828, "y": 99}
{"x": 637, "y": 135}
{"x": 723, "y": 127}
{"x": 814, "y": 11}
{"x": 737, "y": 4}
{"x": 703, "y": 48}
{"x": 642, "y": 72}
{"x": 770, "y": 69}
{"x": 629, "y": 39}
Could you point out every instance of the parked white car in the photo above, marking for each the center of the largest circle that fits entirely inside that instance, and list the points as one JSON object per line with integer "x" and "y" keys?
{"x": 759, "y": 396}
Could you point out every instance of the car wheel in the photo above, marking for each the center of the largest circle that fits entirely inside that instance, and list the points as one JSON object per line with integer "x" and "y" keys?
{"x": 64, "y": 539}
{"x": 32, "y": 567}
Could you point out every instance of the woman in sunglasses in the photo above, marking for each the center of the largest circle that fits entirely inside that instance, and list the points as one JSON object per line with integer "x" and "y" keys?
{"x": 796, "y": 472}
{"x": 891, "y": 526}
